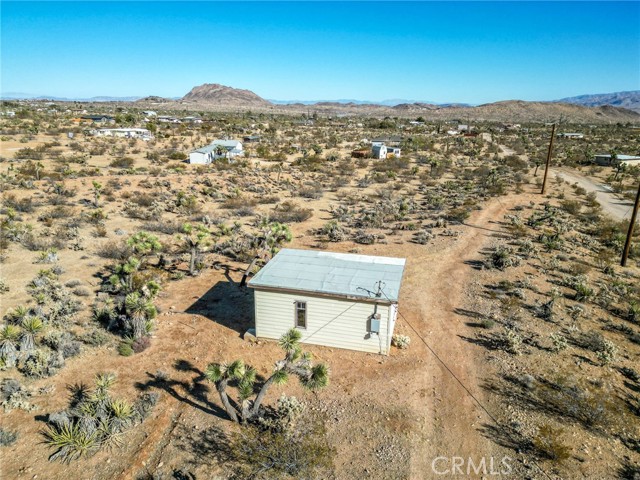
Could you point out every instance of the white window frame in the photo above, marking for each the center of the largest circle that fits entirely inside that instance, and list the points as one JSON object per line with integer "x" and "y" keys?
{"x": 300, "y": 306}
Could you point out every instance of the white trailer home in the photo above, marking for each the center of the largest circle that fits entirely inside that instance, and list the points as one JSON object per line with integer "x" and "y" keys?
{"x": 335, "y": 299}
{"x": 228, "y": 149}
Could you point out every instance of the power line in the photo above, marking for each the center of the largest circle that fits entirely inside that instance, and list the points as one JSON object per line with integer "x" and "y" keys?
{"x": 458, "y": 380}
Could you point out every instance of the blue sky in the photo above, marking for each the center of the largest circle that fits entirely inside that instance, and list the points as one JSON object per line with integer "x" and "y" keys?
{"x": 445, "y": 52}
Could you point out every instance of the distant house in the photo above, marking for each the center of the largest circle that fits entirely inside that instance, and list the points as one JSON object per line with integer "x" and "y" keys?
{"x": 334, "y": 299}
{"x": 98, "y": 118}
{"x": 463, "y": 128}
{"x": 228, "y": 149}
{"x": 629, "y": 160}
{"x": 149, "y": 113}
{"x": 378, "y": 150}
{"x": 194, "y": 120}
{"x": 570, "y": 135}
{"x": 167, "y": 119}
{"x": 141, "y": 133}
{"x": 251, "y": 138}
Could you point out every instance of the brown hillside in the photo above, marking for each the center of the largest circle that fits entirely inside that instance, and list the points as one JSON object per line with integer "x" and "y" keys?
{"x": 213, "y": 93}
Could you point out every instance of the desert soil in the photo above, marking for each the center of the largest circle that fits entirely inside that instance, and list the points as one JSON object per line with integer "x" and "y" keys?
{"x": 390, "y": 416}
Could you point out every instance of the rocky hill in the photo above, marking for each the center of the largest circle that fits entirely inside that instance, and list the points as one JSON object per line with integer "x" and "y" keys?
{"x": 630, "y": 100}
{"x": 216, "y": 94}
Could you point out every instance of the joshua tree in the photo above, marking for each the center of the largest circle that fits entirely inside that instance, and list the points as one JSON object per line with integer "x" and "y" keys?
{"x": 267, "y": 242}
{"x": 31, "y": 326}
{"x": 144, "y": 244}
{"x": 97, "y": 188}
{"x": 243, "y": 377}
{"x": 196, "y": 239}
{"x": 8, "y": 343}
{"x": 140, "y": 311}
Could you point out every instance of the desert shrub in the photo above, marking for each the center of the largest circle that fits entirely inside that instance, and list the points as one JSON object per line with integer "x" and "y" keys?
{"x": 95, "y": 337}
{"x": 48, "y": 256}
{"x": 559, "y": 342}
{"x": 40, "y": 364}
{"x": 487, "y": 323}
{"x": 4, "y": 286}
{"x": 265, "y": 453}
{"x": 168, "y": 227}
{"x": 401, "y": 341}
{"x": 114, "y": 250}
{"x": 125, "y": 349}
{"x": 7, "y": 437}
{"x": 122, "y": 162}
{"x": 422, "y": 237}
{"x": 311, "y": 190}
{"x": 141, "y": 344}
{"x": 334, "y": 231}
{"x": 503, "y": 257}
{"x": 572, "y": 207}
{"x": 23, "y": 205}
{"x": 458, "y": 214}
{"x": 548, "y": 446}
{"x": 512, "y": 342}
{"x": 364, "y": 238}
{"x": 82, "y": 292}
{"x": 289, "y": 212}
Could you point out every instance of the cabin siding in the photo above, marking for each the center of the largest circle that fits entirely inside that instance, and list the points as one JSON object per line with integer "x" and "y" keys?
{"x": 332, "y": 322}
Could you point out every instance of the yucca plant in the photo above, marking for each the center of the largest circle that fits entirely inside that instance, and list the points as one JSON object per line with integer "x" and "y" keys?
{"x": 17, "y": 314}
{"x": 8, "y": 342}
{"x": 70, "y": 441}
{"x": 31, "y": 327}
{"x": 243, "y": 377}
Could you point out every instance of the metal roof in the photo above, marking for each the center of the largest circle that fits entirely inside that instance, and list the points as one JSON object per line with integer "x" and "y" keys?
{"x": 340, "y": 274}
{"x": 621, "y": 157}
{"x": 226, "y": 144}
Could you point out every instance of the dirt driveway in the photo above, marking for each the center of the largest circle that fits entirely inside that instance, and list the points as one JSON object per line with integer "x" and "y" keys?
{"x": 611, "y": 203}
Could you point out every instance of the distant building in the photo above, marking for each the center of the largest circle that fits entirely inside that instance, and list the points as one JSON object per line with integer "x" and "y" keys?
{"x": 251, "y": 138}
{"x": 98, "y": 118}
{"x": 378, "y": 150}
{"x": 141, "y": 133}
{"x": 149, "y": 113}
{"x": 463, "y": 128}
{"x": 228, "y": 149}
{"x": 606, "y": 160}
{"x": 393, "y": 151}
{"x": 168, "y": 119}
{"x": 194, "y": 120}
{"x": 570, "y": 135}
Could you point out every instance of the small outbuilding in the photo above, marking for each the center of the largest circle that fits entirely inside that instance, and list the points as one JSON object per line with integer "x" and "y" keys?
{"x": 335, "y": 299}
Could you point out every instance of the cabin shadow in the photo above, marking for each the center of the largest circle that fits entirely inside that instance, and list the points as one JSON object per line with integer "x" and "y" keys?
{"x": 227, "y": 304}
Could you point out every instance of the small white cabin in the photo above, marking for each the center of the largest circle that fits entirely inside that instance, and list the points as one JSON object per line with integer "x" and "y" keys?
{"x": 335, "y": 299}
{"x": 379, "y": 150}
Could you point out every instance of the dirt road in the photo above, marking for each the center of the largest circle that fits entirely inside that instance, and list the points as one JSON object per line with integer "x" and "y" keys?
{"x": 611, "y": 204}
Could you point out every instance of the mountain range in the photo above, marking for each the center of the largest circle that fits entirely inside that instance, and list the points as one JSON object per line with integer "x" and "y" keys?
{"x": 612, "y": 107}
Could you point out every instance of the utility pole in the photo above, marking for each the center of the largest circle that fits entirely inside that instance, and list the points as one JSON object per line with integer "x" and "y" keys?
{"x": 627, "y": 244}
{"x": 546, "y": 170}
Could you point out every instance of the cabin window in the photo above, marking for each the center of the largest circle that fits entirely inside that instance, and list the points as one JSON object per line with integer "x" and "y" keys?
{"x": 301, "y": 314}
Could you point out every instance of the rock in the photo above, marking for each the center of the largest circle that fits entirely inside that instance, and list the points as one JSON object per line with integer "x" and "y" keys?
{"x": 250, "y": 336}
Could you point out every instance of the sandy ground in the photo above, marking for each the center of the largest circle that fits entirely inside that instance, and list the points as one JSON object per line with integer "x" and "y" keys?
{"x": 205, "y": 324}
